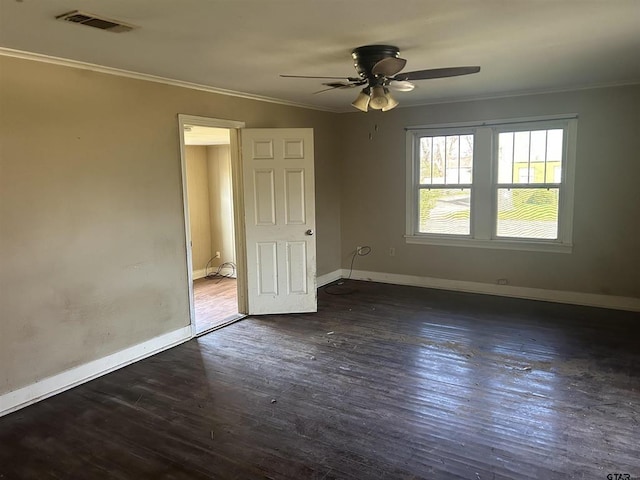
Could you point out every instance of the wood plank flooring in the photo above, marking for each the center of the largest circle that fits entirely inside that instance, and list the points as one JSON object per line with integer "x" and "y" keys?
{"x": 386, "y": 382}
{"x": 215, "y": 301}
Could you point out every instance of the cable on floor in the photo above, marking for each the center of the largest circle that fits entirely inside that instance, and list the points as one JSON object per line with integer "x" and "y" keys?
{"x": 218, "y": 273}
{"x": 338, "y": 287}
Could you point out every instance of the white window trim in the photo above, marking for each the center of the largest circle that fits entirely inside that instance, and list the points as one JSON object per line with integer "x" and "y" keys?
{"x": 483, "y": 194}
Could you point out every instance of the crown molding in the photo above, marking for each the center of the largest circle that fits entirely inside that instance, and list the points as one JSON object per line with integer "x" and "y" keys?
{"x": 65, "y": 62}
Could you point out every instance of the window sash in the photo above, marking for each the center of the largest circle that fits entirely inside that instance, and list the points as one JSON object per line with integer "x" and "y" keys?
{"x": 416, "y": 214}
{"x": 519, "y": 214}
{"x": 452, "y": 171}
{"x": 452, "y": 212}
{"x": 417, "y": 186}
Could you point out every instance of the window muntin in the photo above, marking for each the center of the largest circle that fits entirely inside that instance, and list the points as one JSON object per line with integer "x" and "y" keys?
{"x": 445, "y": 161}
{"x": 518, "y": 184}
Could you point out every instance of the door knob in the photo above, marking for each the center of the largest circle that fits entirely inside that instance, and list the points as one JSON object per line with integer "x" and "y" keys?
{"x": 309, "y": 232}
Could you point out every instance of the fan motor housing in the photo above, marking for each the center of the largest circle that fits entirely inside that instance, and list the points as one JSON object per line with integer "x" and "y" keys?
{"x": 364, "y": 58}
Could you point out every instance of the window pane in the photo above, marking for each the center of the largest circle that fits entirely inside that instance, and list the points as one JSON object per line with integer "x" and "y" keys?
{"x": 554, "y": 155}
{"x": 425, "y": 159}
{"x": 466, "y": 158}
{"x": 521, "y": 147}
{"x": 445, "y": 210}
{"x": 525, "y": 174}
{"x": 439, "y": 146}
{"x": 538, "y": 156}
{"x": 528, "y": 213}
{"x": 554, "y": 145}
{"x": 538, "y": 146}
{"x": 505, "y": 157}
{"x": 452, "y": 172}
{"x": 520, "y": 153}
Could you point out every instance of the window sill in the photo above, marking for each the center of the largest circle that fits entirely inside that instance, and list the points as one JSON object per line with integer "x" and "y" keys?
{"x": 498, "y": 244}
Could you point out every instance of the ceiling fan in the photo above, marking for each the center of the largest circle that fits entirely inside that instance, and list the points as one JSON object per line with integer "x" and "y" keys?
{"x": 378, "y": 68}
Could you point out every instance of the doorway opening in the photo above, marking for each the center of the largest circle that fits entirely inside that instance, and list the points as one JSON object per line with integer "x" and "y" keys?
{"x": 208, "y": 178}
{"x": 273, "y": 219}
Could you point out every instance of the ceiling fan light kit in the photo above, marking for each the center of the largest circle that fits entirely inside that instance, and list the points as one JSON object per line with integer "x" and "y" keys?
{"x": 391, "y": 102}
{"x": 378, "y": 68}
{"x": 378, "y": 98}
{"x": 363, "y": 99}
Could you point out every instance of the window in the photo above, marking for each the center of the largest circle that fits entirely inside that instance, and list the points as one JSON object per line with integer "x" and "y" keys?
{"x": 495, "y": 184}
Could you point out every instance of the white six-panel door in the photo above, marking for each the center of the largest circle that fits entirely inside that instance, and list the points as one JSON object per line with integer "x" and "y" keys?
{"x": 279, "y": 205}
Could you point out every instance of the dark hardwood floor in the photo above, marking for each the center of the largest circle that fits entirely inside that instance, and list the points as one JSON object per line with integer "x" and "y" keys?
{"x": 216, "y": 302}
{"x": 387, "y": 382}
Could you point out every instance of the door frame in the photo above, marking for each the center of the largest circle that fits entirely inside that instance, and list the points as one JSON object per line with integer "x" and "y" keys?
{"x": 238, "y": 206}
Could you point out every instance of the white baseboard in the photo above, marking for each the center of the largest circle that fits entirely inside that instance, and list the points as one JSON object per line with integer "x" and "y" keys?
{"x": 557, "y": 296}
{"x": 327, "y": 278}
{"x": 55, "y": 384}
{"x": 199, "y": 273}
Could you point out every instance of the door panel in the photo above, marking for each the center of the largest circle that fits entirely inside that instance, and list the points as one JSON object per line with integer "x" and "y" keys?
{"x": 267, "y": 262}
{"x": 264, "y": 187}
{"x": 294, "y": 197}
{"x": 297, "y": 267}
{"x": 279, "y": 201}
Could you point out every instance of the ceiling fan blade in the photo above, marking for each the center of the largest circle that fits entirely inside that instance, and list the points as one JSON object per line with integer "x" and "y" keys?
{"x": 349, "y": 79}
{"x": 436, "y": 73}
{"x": 388, "y": 67}
{"x": 325, "y": 90}
{"x": 341, "y": 84}
{"x": 335, "y": 85}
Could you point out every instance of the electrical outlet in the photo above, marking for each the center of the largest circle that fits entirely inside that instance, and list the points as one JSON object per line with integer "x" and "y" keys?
{"x": 359, "y": 250}
{"x": 503, "y": 281}
{"x": 217, "y": 255}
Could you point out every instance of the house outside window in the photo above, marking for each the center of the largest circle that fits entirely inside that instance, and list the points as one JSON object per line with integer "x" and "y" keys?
{"x": 524, "y": 174}
{"x": 504, "y": 184}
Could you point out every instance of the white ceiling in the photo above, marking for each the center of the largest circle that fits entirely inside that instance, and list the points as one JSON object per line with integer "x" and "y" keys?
{"x": 243, "y": 45}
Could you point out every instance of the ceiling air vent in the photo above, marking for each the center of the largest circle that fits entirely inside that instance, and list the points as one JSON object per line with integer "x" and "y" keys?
{"x": 95, "y": 21}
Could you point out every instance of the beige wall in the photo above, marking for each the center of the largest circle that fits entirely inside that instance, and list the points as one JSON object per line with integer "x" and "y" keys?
{"x": 199, "y": 207}
{"x": 606, "y": 256}
{"x": 221, "y": 204}
{"x": 91, "y": 220}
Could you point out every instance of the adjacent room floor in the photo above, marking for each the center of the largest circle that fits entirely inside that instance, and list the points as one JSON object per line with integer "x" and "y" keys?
{"x": 384, "y": 382}
{"x": 216, "y": 302}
